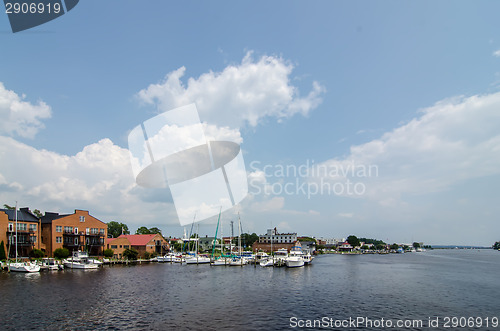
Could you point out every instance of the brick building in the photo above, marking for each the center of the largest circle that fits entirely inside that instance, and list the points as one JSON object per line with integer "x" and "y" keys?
{"x": 28, "y": 232}
{"x": 151, "y": 243}
{"x": 78, "y": 231}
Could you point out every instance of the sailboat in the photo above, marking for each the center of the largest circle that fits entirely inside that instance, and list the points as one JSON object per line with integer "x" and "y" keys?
{"x": 238, "y": 261}
{"x": 22, "y": 266}
{"x": 197, "y": 259}
{"x": 222, "y": 260}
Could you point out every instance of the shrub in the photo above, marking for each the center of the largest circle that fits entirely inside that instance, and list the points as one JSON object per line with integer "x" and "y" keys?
{"x": 37, "y": 253}
{"x": 108, "y": 252}
{"x": 61, "y": 253}
{"x": 130, "y": 254}
{"x": 2, "y": 251}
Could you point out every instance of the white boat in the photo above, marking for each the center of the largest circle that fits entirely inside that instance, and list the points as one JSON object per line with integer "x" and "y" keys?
{"x": 197, "y": 259}
{"x": 237, "y": 262}
{"x": 49, "y": 263}
{"x": 169, "y": 257}
{"x": 308, "y": 258}
{"x": 280, "y": 256}
{"x": 24, "y": 267}
{"x": 80, "y": 260}
{"x": 221, "y": 261}
{"x": 267, "y": 262}
{"x": 295, "y": 258}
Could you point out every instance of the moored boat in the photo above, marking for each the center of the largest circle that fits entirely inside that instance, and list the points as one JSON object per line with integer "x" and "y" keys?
{"x": 80, "y": 260}
{"x": 24, "y": 267}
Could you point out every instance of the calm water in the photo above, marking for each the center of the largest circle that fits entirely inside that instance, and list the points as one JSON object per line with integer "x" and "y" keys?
{"x": 163, "y": 296}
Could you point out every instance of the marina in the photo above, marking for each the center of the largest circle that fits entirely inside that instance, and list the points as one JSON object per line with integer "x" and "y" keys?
{"x": 160, "y": 296}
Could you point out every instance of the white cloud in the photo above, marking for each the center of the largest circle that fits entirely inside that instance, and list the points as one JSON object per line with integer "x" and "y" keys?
{"x": 453, "y": 141}
{"x": 346, "y": 215}
{"x": 20, "y": 117}
{"x": 238, "y": 95}
{"x": 98, "y": 178}
{"x": 496, "y": 53}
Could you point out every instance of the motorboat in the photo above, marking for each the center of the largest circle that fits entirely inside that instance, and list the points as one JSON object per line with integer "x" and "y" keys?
{"x": 308, "y": 258}
{"x": 80, "y": 260}
{"x": 49, "y": 263}
{"x": 266, "y": 262}
{"x": 295, "y": 258}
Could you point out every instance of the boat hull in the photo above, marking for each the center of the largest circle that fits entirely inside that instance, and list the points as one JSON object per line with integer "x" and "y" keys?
{"x": 24, "y": 267}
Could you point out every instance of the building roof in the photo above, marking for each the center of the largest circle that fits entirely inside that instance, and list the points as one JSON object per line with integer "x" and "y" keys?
{"x": 23, "y": 215}
{"x": 138, "y": 239}
{"x": 49, "y": 217}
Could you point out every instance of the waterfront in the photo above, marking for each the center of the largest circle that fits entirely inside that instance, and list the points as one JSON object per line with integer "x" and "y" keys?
{"x": 435, "y": 283}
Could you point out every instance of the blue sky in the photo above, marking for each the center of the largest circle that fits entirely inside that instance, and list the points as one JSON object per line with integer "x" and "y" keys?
{"x": 408, "y": 87}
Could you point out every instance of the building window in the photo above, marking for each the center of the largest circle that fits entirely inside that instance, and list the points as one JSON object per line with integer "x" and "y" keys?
{"x": 32, "y": 227}
{"x": 125, "y": 246}
{"x": 11, "y": 227}
{"x": 94, "y": 231}
{"x": 101, "y": 231}
{"x": 33, "y": 239}
{"x": 120, "y": 246}
{"x": 82, "y": 219}
{"x": 22, "y": 227}
{"x": 58, "y": 228}
{"x": 102, "y": 241}
{"x": 59, "y": 240}
{"x": 76, "y": 241}
{"x": 68, "y": 229}
{"x": 113, "y": 247}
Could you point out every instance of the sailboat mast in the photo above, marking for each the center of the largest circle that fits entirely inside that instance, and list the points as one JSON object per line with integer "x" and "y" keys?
{"x": 239, "y": 229}
{"x": 16, "y": 229}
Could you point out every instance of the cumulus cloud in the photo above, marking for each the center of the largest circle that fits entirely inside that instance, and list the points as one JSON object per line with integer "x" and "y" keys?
{"x": 98, "y": 178}
{"x": 239, "y": 95}
{"x": 20, "y": 118}
{"x": 496, "y": 53}
{"x": 453, "y": 141}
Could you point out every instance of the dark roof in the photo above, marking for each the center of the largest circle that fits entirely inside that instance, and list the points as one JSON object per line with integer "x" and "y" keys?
{"x": 49, "y": 217}
{"x": 23, "y": 215}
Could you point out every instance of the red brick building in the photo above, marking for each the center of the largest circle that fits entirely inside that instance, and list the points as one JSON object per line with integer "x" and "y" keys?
{"x": 78, "y": 231}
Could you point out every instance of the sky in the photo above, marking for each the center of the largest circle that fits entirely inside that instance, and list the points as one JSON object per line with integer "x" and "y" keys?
{"x": 374, "y": 118}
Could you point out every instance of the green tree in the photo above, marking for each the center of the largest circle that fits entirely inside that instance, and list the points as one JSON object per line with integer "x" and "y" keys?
{"x": 154, "y": 230}
{"x": 394, "y": 246}
{"x": 6, "y": 206}
{"x": 2, "y": 251}
{"x": 353, "y": 241}
{"x": 372, "y": 241}
{"x": 381, "y": 246}
{"x": 37, "y": 213}
{"x": 249, "y": 239}
{"x": 177, "y": 246}
{"x": 116, "y": 229}
{"x": 61, "y": 253}
{"x": 37, "y": 253}
{"x": 416, "y": 245}
{"x": 142, "y": 230}
{"x": 496, "y": 245}
{"x": 130, "y": 254}
{"x": 108, "y": 252}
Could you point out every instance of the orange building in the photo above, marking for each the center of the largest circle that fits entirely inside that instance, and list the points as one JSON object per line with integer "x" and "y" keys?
{"x": 78, "y": 231}
{"x": 28, "y": 232}
{"x": 151, "y": 243}
{"x": 118, "y": 245}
